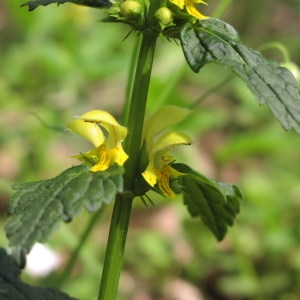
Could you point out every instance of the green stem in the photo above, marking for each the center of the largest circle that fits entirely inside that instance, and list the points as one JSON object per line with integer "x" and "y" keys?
{"x": 115, "y": 248}
{"x": 138, "y": 105}
{"x": 130, "y": 82}
{"x": 122, "y": 207}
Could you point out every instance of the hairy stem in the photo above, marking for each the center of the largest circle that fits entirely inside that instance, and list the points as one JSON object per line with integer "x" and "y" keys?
{"x": 122, "y": 207}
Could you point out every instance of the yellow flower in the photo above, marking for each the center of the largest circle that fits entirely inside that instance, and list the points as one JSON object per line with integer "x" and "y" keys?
{"x": 106, "y": 134}
{"x": 189, "y": 6}
{"x": 159, "y": 142}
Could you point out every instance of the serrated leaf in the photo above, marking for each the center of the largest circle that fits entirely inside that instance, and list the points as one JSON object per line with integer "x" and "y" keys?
{"x": 36, "y": 208}
{"x": 212, "y": 40}
{"x": 12, "y": 288}
{"x": 217, "y": 204}
{"x": 91, "y": 3}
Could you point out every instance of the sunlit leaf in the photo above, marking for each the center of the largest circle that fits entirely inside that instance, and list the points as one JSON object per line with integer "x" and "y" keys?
{"x": 217, "y": 204}
{"x": 212, "y": 40}
{"x": 36, "y": 208}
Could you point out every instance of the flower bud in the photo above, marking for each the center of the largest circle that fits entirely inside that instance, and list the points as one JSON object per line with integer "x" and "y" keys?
{"x": 130, "y": 9}
{"x": 164, "y": 16}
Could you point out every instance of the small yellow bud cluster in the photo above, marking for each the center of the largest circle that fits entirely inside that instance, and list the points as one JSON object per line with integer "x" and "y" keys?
{"x": 178, "y": 10}
{"x": 159, "y": 15}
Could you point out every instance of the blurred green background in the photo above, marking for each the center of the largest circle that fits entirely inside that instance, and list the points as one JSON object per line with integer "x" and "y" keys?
{"x": 57, "y": 62}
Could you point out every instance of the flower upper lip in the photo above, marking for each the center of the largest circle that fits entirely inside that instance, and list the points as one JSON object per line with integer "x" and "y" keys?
{"x": 159, "y": 141}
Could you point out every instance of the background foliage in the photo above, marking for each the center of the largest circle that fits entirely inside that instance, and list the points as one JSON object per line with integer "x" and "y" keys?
{"x": 59, "y": 62}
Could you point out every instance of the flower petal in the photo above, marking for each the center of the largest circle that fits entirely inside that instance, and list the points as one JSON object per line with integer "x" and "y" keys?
{"x": 118, "y": 155}
{"x": 104, "y": 160}
{"x": 150, "y": 174}
{"x": 99, "y": 116}
{"x": 168, "y": 141}
{"x": 165, "y": 117}
{"x": 116, "y": 132}
{"x": 158, "y": 160}
{"x": 178, "y": 3}
{"x": 108, "y": 157}
{"x": 90, "y": 131}
{"x": 158, "y": 142}
{"x": 163, "y": 181}
{"x": 108, "y": 149}
{"x": 190, "y": 8}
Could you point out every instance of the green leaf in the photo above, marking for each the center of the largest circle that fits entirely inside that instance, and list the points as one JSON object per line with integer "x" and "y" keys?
{"x": 12, "y": 288}
{"x": 36, "y": 208}
{"x": 217, "y": 204}
{"x": 212, "y": 40}
{"x": 91, "y": 3}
